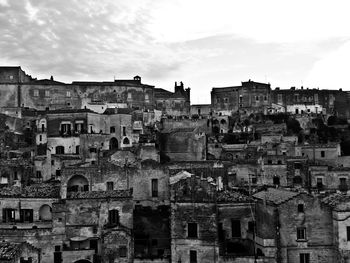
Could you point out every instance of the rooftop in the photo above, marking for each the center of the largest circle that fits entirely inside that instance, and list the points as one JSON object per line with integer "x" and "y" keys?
{"x": 232, "y": 196}
{"x": 9, "y": 250}
{"x": 43, "y": 190}
{"x": 275, "y": 196}
{"x": 101, "y": 194}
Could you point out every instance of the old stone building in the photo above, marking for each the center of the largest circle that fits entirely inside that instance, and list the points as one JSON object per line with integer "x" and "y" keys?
{"x": 306, "y": 101}
{"x": 294, "y": 227}
{"x": 249, "y": 97}
{"x": 175, "y": 103}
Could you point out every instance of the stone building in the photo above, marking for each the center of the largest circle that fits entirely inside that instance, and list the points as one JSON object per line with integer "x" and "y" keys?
{"x": 294, "y": 227}
{"x": 250, "y": 97}
{"x": 306, "y": 101}
{"x": 175, "y": 103}
{"x": 22, "y": 90}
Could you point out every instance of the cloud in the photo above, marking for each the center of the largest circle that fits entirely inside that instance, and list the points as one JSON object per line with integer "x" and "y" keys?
{"x": 83, "y": 39}
{"x": 332, "y": 70}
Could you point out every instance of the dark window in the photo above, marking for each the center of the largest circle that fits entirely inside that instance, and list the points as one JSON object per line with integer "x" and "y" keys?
{"x": 348, "y": 233}
{"x": 26, "y": 215}
{"x": 126, "y": 141}
{"x": 236, "y": 228}
{"x": 319, "y": 183}
{"x": 301, "y": 233}
{"x": 279, "y": 162}
{"x": 77, "y": 149}
{"x": 113, "y": 217}
{"x": 38, "y": 174}
{"x": 323, "y": 154}
{"x": 66, "y": 129}
{"x": 193, "y": 256}
{"x": 8, "y": 215}
{"x": 304, "y": 258}
{"x": 276, "y": 180}
{"x": 300, "y": 208}
{"x": 251, "y": 226}
{"x": 59, "y": 150}
{"x": 93, "y": 150}
{"x": 58, "y": 173}
{"x": 110, "y": 186}
{"x": 122, "y": 252}
{"x": 52, "y": 162}
{"x": 154, "y": 187}
{"x": 192, "y": 231}
{"x": 269, "y": 161}
{"x": 15, "y": 175}
{"x": 297, "y": 180}
{"x": 112, "y": 129}
{"x": 124, "y": 131}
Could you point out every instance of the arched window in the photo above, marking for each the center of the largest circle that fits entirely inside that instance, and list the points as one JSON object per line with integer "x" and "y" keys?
{"x": 77, "y": 183}
{"x": 45, "y": 213}
{"x": 126, "y": 140}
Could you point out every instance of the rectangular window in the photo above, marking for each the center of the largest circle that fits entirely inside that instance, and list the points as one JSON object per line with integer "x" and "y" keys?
{"x": 112, "y": 129}
{"x": 129, "y": 96}
{"x": 154, "y": 187}
{"x": 47, "y": 93}
{"x": 192, "y": 230}
{"x": 113, "y": 217}
{"x": 110, "y": 186}
{"x": 36, "y": 93}
{"x": 323, "y": 154}
{"x": 300, "y": 208}
{"x": 319, "y": 183}
{"x": 240, "y": 99}
{"x": 65, "y": 128}
{"x": 124, "y": 131}
{"x": 316, "y": 98}
{"x": 78, "y": 127}
{"x": 193, "y": 256}
{"x": 236, "y": 228}
{"x": 38, "y": 174}
{"x": 279, "y": 98}
{"x": 8, "y": 215}
{"x": 251, "y": 226}
{"x": 122, "y": 251}
{"x": 265, "y": 98}
{"x": 26, "y": 215}
{"x": 257, "y": 98}
{"x": 68, "y": 93}
{"x": 348, "y": 233}
{"x": 304, "y": 258}
{"x": 301, "y": 233}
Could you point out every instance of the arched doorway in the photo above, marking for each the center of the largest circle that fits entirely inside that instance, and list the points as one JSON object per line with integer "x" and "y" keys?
{"x": 77, "y": 183}
{"x": 45, "y": 213}
{"x": 113, "y": 144}
{"x": 126, "y": 141}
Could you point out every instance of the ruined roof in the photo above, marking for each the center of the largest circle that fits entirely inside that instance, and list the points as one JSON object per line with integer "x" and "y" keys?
{"x": 275, "y": 196}
{"x": 101, "y": 194}
{"x": 232, "y": 196}
{"x": 334, "y": 200}
{"x": 9, "y": 250}
{"x": 43, "y": 190}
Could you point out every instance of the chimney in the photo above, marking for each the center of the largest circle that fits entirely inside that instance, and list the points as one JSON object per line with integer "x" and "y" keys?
{"x": 51, "y": 78}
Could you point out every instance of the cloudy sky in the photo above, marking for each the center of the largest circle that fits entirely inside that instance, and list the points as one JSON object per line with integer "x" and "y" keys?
{"x": 203, "y": 43}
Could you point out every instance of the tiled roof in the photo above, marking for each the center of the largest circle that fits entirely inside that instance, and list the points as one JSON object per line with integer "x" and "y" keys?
{"x": 43, "y": 190}
{"x": 101, "y": 194}
{"x": 275, "y": 196}
{"x": 233, "y": 196}
{"x": 9, "y": 250}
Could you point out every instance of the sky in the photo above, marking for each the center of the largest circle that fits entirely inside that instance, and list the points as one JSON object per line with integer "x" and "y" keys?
{"x": 202, "y": 43}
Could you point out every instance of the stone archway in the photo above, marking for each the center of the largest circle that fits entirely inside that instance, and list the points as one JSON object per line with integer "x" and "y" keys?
{"x": 77, "y": 183}
{"x": 113, "y": 144}
{"x": 45, "y": 213}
